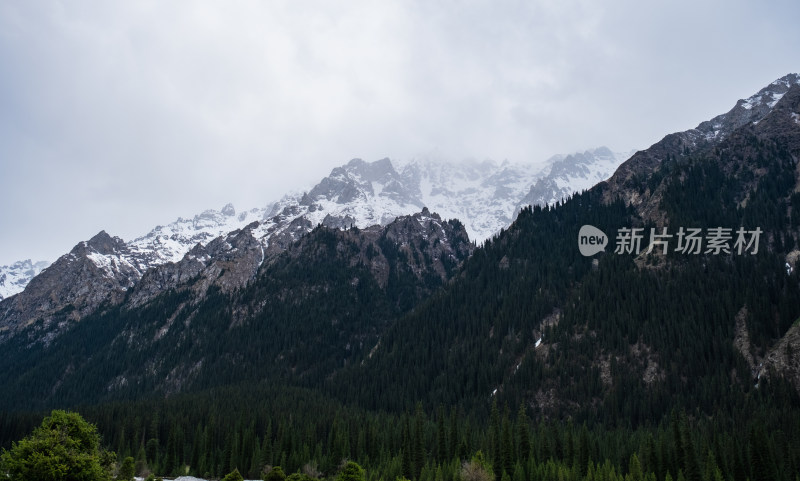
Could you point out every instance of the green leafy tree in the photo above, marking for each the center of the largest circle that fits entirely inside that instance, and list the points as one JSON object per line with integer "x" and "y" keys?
{"x": 233, "y": 476}
{"x": 64, "y": 448}
{"x": 275, "y": 474}
{"x": 126, "y": 471}
{"x": 478, "y": 469}
{"x": 299, "y": 477}
{"x": 351, "y": 472}
{"x": 140, "y": 465}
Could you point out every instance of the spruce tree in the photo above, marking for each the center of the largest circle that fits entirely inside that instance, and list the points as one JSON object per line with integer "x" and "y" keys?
{"x": 523, "y": 435}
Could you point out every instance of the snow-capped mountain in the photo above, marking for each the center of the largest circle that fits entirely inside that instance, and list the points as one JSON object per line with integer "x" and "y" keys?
{"x": 94, "y": 272}
{"x": 171, "y": 242}
{"x": 574, "y": 173}
{"x": 484, "y": 196}
{"x": 225, "y": 248}
{"x": 15, "y": 277}
{"x": 162, "y": 244}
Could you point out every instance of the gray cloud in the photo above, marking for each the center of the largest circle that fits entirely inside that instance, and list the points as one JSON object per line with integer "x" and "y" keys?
{"x": 123, "y": 115}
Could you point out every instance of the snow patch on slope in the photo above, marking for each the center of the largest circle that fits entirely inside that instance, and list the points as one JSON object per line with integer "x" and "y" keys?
{"x": 574, "y": 173}
{"x": 111, "y": 264}
{"x": 171, "y": 242}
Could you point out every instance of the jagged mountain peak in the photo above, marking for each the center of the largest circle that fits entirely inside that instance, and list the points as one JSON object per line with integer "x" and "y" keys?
{"x": 228, "y": 210}
{"x": 785, "y": 104}
{"x": 749, "y": 110}
{"x": 171, "y": 242}
{"x": 373, "y": 169}
{"x": 102, "y": 243}
{"x": 101, "y": 236}
{"x": 94, "y": 272}
{"x": 484, "y": 195}
{"x": 564, "y": 164}
{"x": 625, "y": 182}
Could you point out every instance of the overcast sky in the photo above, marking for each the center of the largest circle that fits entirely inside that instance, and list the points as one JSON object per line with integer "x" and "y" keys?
{"x": 122, "y": 115}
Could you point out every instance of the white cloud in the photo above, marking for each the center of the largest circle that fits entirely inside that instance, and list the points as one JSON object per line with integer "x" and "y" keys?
{"x": 123, "y": 115}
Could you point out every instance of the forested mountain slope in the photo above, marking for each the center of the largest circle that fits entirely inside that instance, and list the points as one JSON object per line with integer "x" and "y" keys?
{"x": 407, "y": 349}
{"x": 621, "y": 337}
{"x": 313, "y": 309}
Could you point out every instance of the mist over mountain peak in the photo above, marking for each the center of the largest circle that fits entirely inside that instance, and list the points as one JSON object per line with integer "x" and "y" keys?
{"x": 483, "y": 194}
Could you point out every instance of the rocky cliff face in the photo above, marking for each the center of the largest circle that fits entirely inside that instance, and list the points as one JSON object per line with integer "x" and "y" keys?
{"x": 171, "y": 242}
{"x": 783, "y": 358}
{"x": 229, "y": 262}
{"x": 95, "y": 272}
{"x": 106, "y": 271}
{"x": 482, "y": 195}
{"x": 421, "y": 243}
{"x": 305, "y": 310}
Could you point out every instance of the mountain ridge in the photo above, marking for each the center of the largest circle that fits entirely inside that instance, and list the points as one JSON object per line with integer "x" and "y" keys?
{"x": 105, "y": 271}
{"x": 358, "y": 193}
{"x": 681, "y": 145}
{"x": 608, "y": 337}
{"x": 364, "y": 277}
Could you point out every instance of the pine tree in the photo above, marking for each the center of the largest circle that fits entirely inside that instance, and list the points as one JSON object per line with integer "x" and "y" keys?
{"x": 441, "y": 436}
{"x": 419, "y": 441}
{"x": 635, "y": 468}
{"x": 455, "y": 439}
{"x": 496, "y": 433}
{"x": 690, "y": 465}
{"x": 582, "y": 453}
{"x": 508, "y": 453}
{"x": 141, "y": 461}
{"x": 523, "y": 435}
{"x": 407, "y": 463}
{"x": 519, "y": 473}
{"x": 762, "y": 466}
